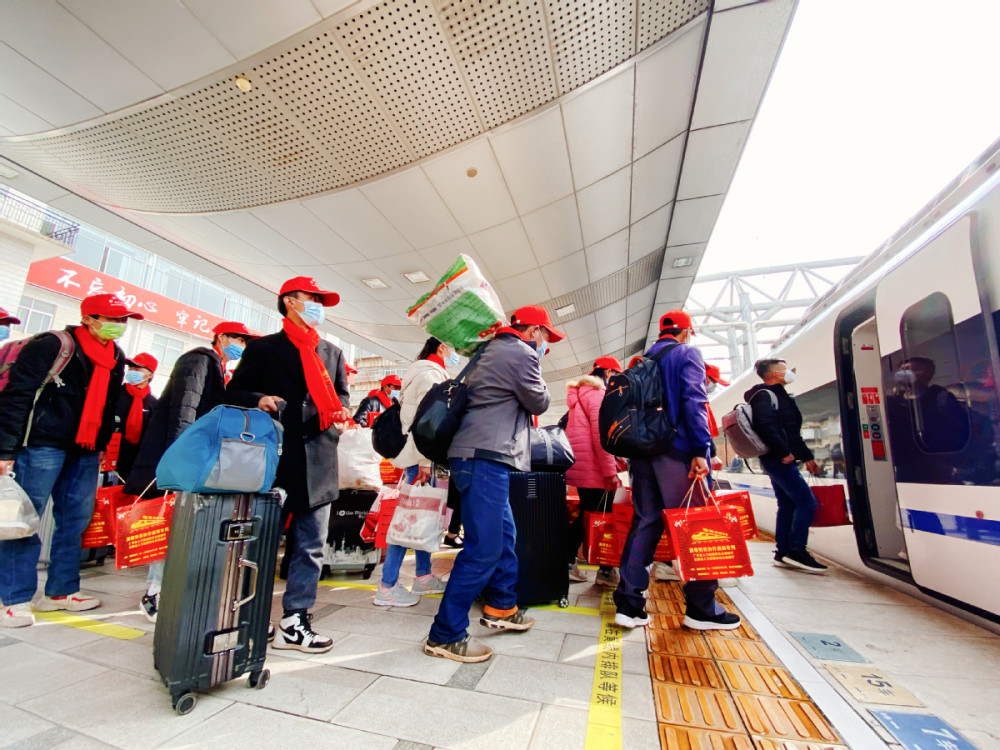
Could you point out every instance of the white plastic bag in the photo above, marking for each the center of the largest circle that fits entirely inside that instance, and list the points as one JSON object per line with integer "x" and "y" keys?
{"x": 420, "y": 519}
{"x": 357, "y": 461}
{"x": 18, "y": 517}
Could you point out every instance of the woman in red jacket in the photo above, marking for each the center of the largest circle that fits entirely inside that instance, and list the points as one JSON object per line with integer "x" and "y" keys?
{"x": 594, "y": 473}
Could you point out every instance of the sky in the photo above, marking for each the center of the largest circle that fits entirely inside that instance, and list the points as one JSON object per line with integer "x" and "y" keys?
{"x": 874, "y": 106}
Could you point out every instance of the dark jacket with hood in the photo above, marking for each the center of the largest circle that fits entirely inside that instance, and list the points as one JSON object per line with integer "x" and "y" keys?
{"x": 780, "y": 428}
{"x": 57, "y": 413}
{"x": 373, "y": 403}
{"x": 683, "y": 371}
{"x": 196, "y": 386}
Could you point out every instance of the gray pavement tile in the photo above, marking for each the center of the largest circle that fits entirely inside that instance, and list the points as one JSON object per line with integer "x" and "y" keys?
{"x": 468, "y": 676}
{"x": 121, "y": 709}
{"x": 28, "y": 671}
{"x": 561, "y": 727}
{"x": 135, "y": 656}
{"x": 350, "y": 597}
{"x": 566, "y": 622}
{"x": 530, "y": 644}
{"x": 377, "y": 622}
{"x": 241, "y": 727}
{"x": 441, "y": 716}
{"x": 43, "y": 740}
{"x": 407, "y": 745}
{"x": 52, "y": 636}
{"x": 20, "y": 726}
{"x": 113, "y": 584}
{"x": 389, "y": 656}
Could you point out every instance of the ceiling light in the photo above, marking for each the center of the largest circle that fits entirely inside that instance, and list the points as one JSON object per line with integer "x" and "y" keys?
{"x": 562, "y": 312}
{"x": 243, "y": 84}
{"x": 681, "y": 262}
{"x": 375, "y": 283}
{"x": 416, "y": 277}
{"x": 471, "y": 172}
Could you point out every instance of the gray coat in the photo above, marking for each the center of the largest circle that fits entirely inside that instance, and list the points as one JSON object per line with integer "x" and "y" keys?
{"x": 505, "y": 388}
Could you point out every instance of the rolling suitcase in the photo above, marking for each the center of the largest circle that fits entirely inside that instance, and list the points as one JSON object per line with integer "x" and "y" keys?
{"x": 344, "y": 550}
{"x": 538, "y": 502}
{"x": 215, "y": 604}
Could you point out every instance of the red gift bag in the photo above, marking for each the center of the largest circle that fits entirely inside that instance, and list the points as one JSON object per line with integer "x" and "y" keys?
{"x": 572, "y": 504}
{"x": 142, "y": 531}
{"x": 622, "y": 513}
{"x": 741, "y": 501}
{"x": 600, "y": 538}
{"x": 831, "y": 505}
{"x": 708, "y": 541}
{"x": 110, "y": 462}
{"x": 101, "y": 530}
{"x": 389, "y": 473}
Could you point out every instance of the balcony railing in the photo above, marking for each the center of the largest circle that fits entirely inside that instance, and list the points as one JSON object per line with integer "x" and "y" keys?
{"x": 30, "y": 216}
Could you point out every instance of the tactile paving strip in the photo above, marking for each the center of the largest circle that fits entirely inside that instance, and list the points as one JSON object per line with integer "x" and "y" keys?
{"x": 725, "y": 690}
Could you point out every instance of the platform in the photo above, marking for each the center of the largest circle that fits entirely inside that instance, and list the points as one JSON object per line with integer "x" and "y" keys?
{"x": 88, "y": 682}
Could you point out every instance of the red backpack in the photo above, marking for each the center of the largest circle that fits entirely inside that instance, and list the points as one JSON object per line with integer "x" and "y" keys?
{"x": 10, "y": 352}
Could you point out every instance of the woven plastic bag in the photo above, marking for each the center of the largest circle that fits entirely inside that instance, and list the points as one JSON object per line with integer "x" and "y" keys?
{"x": 357, "y": 461}
{"x": 462, "y": 310}
{"x": 18, "y": 517}
{"x": 420, "y": 518}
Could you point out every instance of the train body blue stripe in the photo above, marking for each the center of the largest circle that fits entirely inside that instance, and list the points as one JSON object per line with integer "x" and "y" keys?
{"x": 980, "y": 530}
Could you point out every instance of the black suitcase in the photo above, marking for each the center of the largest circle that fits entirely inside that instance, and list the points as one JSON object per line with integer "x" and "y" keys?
{"x": 344, "y": 550}
{"x": 538, "y": 502}
{"x": 215, "y": 604}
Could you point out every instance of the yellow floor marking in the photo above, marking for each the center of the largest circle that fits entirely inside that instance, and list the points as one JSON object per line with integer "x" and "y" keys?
{"x": 604, "y": 721}
{"x": 572, "y": 610}
{"x": 109, "y": 629}
{"x": 348, "y": 585}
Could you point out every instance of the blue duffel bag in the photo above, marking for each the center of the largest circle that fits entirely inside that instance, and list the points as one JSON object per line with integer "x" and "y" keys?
{"x": 230, "y": 449}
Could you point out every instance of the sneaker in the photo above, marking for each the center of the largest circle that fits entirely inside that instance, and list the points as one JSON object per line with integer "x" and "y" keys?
{"x": 517, "y": 621}
{"x": 148, "y": 606}
{"x": 802, "y": 560}
{"x": 630, "y": 617}
{"x": 467, "y": 650}
{"x": 433, "y": 585}
{"x": 397, "y": 596}
{"x": 270, "y": 632}
{"x": 72, "y": 603}
{"x": 295, "y": 632}
{"x": 779, "y": 560}
{"x": 17, "y": 616}
{"x": 728, "y": 583}
{"x": 725, "y": 621}
{"x": 576, "y": 575}
{"x": 456, "y": 542}
{"x": 664, "y": 572}
{"x": 610, "y": 578}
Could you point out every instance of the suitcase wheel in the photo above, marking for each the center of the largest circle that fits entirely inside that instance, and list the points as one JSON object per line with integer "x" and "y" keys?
{"x": 259, "y": 680}
{"x": 185, "y": 703}
{"x": 563, "y": 601}
{"x": 369, "y": 569}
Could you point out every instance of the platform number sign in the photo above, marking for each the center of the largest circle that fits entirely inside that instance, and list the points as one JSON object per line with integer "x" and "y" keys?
{"x": 922, "y": 731}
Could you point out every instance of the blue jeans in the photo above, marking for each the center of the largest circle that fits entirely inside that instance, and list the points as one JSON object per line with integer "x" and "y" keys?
{"x": 487, "y": 563}
{"x": 657, "y": 483}
{"x": 395, "y": 553}
{"x": 796, "y": 505}
{"x": 70, "y": 478}
{"x": 311, "y": 527}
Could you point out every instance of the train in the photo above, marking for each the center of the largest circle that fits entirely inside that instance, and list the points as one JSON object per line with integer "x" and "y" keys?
{"x": 898, "y": 381}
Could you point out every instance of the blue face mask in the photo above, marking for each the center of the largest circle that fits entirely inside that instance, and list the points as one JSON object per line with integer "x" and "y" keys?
{"x": 134, "y": 377}
{"x": 394, "y": 395}
{"x": 312, "y": 313}
{"x": 542, "y": 349}
{"x": 4, "y": 333}
{"x": 233, "y": 352}
{"x": 453, "y": 360}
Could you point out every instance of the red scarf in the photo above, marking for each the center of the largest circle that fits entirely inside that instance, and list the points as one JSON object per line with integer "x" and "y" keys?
{"x": 227, "y": 375}
{"x": 102, "y": 355}
{"x": 318, "y": 381}
{"x": 133, "y": 425}
{"x": 386, "y": 401}
{"x": 713, "y": 427}
{"x": 436, "y": 360}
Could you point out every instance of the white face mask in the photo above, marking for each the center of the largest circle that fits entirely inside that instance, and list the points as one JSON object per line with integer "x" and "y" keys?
{"x": 712, "y": 385}
{"x": 789, "y": 377}
{"x": 904, "y": 378}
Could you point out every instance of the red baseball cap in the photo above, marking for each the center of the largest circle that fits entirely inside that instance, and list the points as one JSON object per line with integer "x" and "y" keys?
{"x": 7, "y": 319}
{"x": 235, "y": 328}
{"x": 676, "y": 319}
{"x": 535, "y": 315}
{"x": 308, "y": 284}
{"x": 715, "y": 374}
{"x": 608, "y": 363}
{"x": 108, "y": 305}
{"x": 350, "y": 370}
{"x": 143, "y": 360}
{"x": 391, "y": 380}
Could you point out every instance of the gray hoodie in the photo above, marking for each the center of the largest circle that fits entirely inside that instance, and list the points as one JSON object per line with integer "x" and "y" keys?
{"x": 505, "y": 388}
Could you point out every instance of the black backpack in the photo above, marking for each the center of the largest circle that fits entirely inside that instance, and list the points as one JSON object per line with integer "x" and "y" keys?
{"x": 633, "y": 420}
{"x": 388, "y": 438}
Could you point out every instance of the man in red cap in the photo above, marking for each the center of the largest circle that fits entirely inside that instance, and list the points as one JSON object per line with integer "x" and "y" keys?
{"x": 51, "y": 433}
{"x": 197, "y": 385}
{"x": 505, "y": 387}
{"x": 307, "y": 376}
{"x": 662, "y": 481}
{"x": 713, "y": 379}
{"x": 6, "y": 321}
{"x": 135, "y": 405}
{"x": 378, "y": 400}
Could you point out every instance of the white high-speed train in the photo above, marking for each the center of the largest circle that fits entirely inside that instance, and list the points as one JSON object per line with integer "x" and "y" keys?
{"x": 897, "y": 381}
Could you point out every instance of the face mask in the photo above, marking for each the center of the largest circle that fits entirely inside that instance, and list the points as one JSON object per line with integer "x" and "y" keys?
{"x": 312, "y": 313}
{"x": 4, "y": 333}
{"x": 904, "y": 378}
{"x": 394, "y": 395}
{"x": 789, "y": 377}
{"x": 134, "y": 377}
{"x": 110, "y": 331}
{"x": 453, "y": 360}
{"x": 233, "y": 352}
{"x": 710, "y": 388}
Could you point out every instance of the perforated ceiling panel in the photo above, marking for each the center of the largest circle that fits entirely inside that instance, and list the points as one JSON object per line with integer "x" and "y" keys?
{"x": 355, "y": 98}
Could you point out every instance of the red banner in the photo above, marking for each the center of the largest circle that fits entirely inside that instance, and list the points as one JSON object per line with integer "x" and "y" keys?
{"x": 66, "y": 277}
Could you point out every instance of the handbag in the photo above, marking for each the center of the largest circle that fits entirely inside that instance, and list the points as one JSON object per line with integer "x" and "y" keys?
{"x": 388, "y": 438}
{"x": 622, "y": 512}
{"x": 419, "y": 519}
{"x": 831, "y": 506}
{"x": 373, "y": 525}
{"x": 101, "y": 529}
{"x": 708, "y": 540}
{"x": 440, "y": 413}
{"x": 740, "y": 501}
{"x": 602, "y": 549}
{"x": 142, "y": 531}
{"x": 550, "y": 449}
{"x": 357, "y": 461}
{"x": 18, "y": 517}
{"x": 230, "y": 449}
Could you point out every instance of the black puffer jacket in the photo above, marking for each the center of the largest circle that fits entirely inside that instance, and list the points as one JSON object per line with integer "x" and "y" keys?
{"x": 370, "y": 404}
{"x": 780, "y": 428}
{"x": 57, "y": 413}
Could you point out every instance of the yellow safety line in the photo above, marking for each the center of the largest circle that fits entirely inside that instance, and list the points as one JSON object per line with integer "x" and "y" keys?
{"x": 604, "y": 721}
{"x": 348, "y": 585}
{"x": 572, "y": 610}
{"x": 121, "y": 632}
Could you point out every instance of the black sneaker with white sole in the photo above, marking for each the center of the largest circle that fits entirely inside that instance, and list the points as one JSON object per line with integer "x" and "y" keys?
{"x": 725, "y": 621}
{"x": 295, "y": 632}
{"x": 779, "y": 560}
{"x": 802, "y": 560}
{"x": 628, "y": 616}
{"x": 270, "y": 632}
{"x": 148, "y": 606}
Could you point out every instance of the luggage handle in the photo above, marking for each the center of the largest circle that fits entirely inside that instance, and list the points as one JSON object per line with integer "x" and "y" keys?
{"x": 244, "y": 564}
